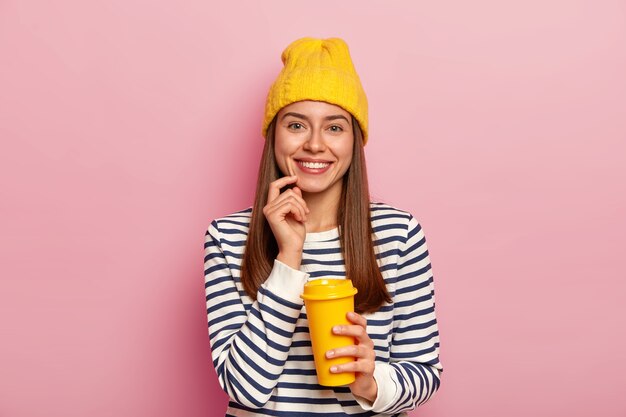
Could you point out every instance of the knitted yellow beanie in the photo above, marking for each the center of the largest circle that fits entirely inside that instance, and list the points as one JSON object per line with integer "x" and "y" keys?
{"x": 320, "y": 70}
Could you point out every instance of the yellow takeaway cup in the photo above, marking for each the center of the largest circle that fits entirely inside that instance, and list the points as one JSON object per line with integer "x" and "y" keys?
{"x": 327, "y": 301}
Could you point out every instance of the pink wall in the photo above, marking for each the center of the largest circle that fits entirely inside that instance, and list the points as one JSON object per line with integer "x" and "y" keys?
{"x": 127, "y": 126}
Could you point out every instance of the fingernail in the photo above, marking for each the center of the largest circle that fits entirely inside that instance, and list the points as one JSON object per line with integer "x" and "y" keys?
{"x": 337, "y": 329}
{"x": 333, "y": 369}
{"x": 330, "y": 354}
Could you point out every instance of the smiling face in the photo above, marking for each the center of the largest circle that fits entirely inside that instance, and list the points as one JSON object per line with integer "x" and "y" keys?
{"x": 314, "y": 140}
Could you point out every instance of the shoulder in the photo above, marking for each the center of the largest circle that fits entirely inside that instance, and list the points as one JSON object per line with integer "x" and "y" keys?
{"x": 383, "y": 213}
{"x": 237, "y": 223}
{"x": 383, "y": 210}
{"x": 387, "y": 217}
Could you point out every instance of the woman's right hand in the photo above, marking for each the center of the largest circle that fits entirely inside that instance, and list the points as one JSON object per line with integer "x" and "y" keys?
{"x": 286, "y": 213}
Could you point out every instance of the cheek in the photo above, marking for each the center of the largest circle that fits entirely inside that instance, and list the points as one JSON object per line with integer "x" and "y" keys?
{"x": 347, "y": 166}
{"x": 280, "y": 155}
{"x": 282, "y": 146}
{"x": 346, "y": 154}
{"x": 278, "y": 147}
{"x": 345, "y": 163}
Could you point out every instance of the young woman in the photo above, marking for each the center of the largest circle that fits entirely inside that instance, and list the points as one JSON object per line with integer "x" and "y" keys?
{"x": 312, "y": 218}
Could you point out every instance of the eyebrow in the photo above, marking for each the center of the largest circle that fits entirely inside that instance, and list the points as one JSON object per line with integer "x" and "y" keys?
{"x": 302, "y": 116}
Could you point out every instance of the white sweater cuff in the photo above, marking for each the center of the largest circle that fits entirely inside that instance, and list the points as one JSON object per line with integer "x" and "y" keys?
{"x": 286, "y": 282}
{"x": 387, "y": 389}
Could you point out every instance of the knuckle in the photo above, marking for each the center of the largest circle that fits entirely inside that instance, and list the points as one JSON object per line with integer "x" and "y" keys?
{"x": 367, "y": 352}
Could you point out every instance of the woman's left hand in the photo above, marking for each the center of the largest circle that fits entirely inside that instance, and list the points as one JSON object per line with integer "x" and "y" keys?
{"x": 363, "y": 351}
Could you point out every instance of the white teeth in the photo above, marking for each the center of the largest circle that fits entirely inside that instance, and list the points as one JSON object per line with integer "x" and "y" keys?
{"x": 316, "y": 165}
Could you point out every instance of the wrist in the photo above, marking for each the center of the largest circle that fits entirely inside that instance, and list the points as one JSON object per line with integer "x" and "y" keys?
{"x": 372, "y": 392}
{"x": 292, "y": 259}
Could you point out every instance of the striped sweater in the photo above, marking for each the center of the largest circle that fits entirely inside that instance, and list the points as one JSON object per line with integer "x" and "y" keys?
{"x": 261, "y": 349}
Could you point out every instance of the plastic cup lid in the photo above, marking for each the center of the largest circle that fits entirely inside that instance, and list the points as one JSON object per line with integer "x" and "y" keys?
{"x": 328, "y": 289}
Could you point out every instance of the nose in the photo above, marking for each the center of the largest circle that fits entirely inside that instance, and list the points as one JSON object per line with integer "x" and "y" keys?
{"x": 315, "y": 142}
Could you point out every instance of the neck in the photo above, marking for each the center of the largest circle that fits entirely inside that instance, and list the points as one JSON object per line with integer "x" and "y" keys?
{"x": 323, "y": 207}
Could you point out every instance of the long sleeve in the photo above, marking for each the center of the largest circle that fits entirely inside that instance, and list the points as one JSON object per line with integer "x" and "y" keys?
{"x": 412, "y": 375}
{"x": 249, "y": 347}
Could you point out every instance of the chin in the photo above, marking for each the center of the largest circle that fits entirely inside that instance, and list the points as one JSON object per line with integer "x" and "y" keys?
{"x": 310, "y": 188}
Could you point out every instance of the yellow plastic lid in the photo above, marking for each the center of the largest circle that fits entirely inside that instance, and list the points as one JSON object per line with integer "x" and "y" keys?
{"x": 328, "y": 289}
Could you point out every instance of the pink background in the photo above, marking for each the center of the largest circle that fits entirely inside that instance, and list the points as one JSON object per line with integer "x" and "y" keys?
{"x": 128, "y": 125}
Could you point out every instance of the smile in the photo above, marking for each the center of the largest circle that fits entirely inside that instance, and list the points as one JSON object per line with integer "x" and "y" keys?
{"x": 316, "y": 165}
{"x": 313, "y": 167}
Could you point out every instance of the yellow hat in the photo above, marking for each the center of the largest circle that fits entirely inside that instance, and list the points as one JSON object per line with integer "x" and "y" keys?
{"x": 320, "y": 70}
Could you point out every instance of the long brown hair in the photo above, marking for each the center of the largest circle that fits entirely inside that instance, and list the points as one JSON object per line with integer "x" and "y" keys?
{"x": 355, "y": 234}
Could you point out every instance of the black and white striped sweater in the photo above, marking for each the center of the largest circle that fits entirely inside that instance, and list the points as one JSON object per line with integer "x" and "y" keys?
{"x": 262, "y": 351}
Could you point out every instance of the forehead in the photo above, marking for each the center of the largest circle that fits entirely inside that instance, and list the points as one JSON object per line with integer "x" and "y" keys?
{"x": 315, "y": 109}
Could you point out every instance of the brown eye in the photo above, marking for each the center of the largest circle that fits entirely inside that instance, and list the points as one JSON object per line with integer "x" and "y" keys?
{"x": 336, "y": 128}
